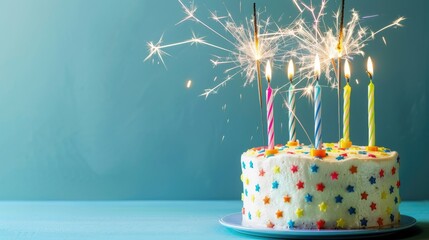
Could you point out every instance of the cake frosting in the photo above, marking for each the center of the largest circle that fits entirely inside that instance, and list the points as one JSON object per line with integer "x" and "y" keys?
{"x": 348, "y": 189}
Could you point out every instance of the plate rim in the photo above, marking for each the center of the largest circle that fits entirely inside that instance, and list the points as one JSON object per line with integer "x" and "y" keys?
{"x": 410, "y": 222}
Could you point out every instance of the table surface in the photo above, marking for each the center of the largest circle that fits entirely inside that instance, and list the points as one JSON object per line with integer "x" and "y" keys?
{"x": 145, "y": 220}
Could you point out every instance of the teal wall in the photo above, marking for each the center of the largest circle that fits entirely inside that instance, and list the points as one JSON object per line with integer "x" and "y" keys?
{"x": 83, "y": 117}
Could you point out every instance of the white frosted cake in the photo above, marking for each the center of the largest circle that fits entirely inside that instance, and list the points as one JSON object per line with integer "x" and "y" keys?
{"x": 348, "y": 189}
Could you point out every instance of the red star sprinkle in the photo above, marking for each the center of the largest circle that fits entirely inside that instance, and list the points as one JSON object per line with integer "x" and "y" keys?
{"x": 371, "y": 155}
{"x": 363, "y": 196}
{"x": 266, "y": 200}
{"x": 261, "y": 172}
{"x": 320, "y": 224}
{"x": 294, "y": 168}
{"x": 243, "y": 211}
{"x": 320, "y": 187}
{"x": 344, "y": 154}
{"x": 398, "y": 184}
{"x": 290, "y": 152}
{"x": 393, "y": 170}
{"x": 380, "y": 221}
{"x": 373, "y": 206}
{"x": 381, "y": 173}
{"x": 286, "y": 199}
{"x": 300, "y": 184}
{"x": 334, "y": 176}
{"x": 353, "y": 169}
{"x": 270, "y": 224}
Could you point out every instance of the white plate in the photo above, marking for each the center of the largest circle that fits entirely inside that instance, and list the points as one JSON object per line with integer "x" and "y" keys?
{"x": 233, "y": 221}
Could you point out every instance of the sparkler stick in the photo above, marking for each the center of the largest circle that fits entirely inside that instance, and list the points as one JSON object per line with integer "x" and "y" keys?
{"x": 340, "y": 49}
{"x": 258, "y": 67}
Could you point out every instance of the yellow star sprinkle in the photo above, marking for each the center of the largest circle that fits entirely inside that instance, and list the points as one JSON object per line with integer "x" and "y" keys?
{"x": 247, "y": 181}
{"x": 252, "y": 198}
{"x": 323, "y": 207}
{"x": 276, "y": 169}
{"x": 242, "y": 177}
{"x": 242, "y": 196}
{"x": 258, "y": 213}
{"x": 383, "y": 195}
{"x": 388, "y": 210}
{"x": 340, "y": 223}
{"x": 299, "y": 212}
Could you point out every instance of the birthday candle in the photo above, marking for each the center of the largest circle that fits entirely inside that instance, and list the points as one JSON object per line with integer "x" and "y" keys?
{"x": 371, "y": 113}
{"x": 346, "y": 108}
{"x": 291, "y": 102}
{"x": 270, "y": 111}
{"x": 317, "y": 107}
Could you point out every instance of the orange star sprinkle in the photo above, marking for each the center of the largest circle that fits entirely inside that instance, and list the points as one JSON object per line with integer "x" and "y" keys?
{"x": 266, "y": 200}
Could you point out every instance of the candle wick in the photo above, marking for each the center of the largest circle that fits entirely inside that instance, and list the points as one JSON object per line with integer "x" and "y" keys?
{"x": 370, "y": 75}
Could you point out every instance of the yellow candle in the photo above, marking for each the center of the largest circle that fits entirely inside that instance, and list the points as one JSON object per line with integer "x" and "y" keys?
{"x": 371, "y": 113}
{"x": 345, "y": 143}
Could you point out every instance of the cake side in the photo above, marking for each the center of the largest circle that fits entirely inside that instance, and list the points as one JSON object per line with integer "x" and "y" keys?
{"x": 350, "y": 188}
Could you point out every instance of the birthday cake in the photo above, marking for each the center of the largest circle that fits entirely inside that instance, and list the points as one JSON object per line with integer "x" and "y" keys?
{"x": 347, "y": 189}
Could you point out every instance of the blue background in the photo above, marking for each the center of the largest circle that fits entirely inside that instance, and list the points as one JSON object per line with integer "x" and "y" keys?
{"x": 83, "y": 117}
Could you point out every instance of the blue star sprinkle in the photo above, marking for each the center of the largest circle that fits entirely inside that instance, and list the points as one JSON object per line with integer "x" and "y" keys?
{"x": 245, "y": 192}
{"x": 251, "y": 164}
{"x": 352, "y": 210}
{"x": 339, "y": 158}
{"x": 244, "y": 165}
{"x": 314, "y": 168}
{"x": 392, "y": 217}
{"x": 291, "y": 224}
{"x": 339, "y": 199}
{"x": 308, "y": 198}
{"x": 275, "y": 185}
{"x": 350, "y": 188}
{"x": 362, "y": 152}
{"x": 397, "y": 160}
{"x": 363, "y": 222}
{"x": 257, "y": 187}
{"x": 372, "y": 180}
{"x": 396, "y": 200}
{"x": 250, "y": 216}
{"x": 391, "y": 189}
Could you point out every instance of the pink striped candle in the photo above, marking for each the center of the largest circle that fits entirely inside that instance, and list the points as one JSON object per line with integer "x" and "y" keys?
{"x": 270, "y": 111}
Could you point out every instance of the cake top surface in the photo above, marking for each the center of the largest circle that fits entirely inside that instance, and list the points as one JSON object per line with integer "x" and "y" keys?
{"x": 333, "y": 152}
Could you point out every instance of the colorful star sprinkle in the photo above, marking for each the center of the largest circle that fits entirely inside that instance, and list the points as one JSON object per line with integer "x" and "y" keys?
{"x": 364, "y": 196}
{"x": 393, "y": 170}
{"x": 276, "y": 169}
{"x": 383, "y": 195}
{"x": 320, "y": 187}
{"x": 258, "y": 213}
{"x": 299, "y": 212}
{"x": 261, "y": 172}
{"x": 323, "y": 206}
{"x": 392, "y": 217}
{"x": 380, "y": 221}
{"x": 314, "y": 168}
{"x": 381, "y": 173}
{"x": 266, "y": 200}
{"x": 275, "y": 185}
{"x": 279, "y": 214}
{"x": 294, "y": 168}
{"x": 353, "y": 169}
{"x": 372, "y": 180}
{"x": 257, "y": 187}
{"x": 373, "y": 206}
{"x": 350, "y": 188}
{"x": 340, "y": 223}
{"x": 300, "y": 184}
{"x": 308, "y": 198}
{"x": 363, "y": 222}
{"x": 352, "y": 210}
{"x": 391, "y": 189}
{"x": 320, "y": 224}
{"x": 270, "y": 224}
{"x": 291, "y": 224}
{"x": 334, "y": 176}
{"x": 339, "y": 199}
{"x": 286, "y": 199}
{"x": 251, "y": 164}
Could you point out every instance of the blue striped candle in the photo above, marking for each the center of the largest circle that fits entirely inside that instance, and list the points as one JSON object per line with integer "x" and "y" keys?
{"x": 317, "y": 116}
{"x": 292, "y": 120}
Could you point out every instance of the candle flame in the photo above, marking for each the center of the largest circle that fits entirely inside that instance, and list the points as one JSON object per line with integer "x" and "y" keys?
{"x": 290, "y": 70}
{"x": 347, "y": 70}
{"x": 317, "y": 66}
{"x": 268, "y": 71}
{"x": 369, "y": 68}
